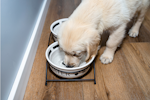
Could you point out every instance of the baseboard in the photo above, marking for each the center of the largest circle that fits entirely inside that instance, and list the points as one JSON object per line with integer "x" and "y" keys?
{"x": 19, "y": 86}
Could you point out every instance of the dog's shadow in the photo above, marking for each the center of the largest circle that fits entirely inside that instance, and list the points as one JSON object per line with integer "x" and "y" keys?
{"x": 104, "y": 38}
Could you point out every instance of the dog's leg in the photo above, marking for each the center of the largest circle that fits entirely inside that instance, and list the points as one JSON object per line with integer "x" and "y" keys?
{"x": 134, "y": 31}
{"x": 114, "y": 40}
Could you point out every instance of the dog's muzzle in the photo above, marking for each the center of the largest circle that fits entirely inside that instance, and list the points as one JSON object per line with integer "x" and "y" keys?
{"x": 67, "y": 66}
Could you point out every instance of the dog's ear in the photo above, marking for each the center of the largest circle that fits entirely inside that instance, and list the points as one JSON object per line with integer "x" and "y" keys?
{"x": 92, "y": 46}
{"x": 88, "y": 52}
{"x": 91, "y": 51}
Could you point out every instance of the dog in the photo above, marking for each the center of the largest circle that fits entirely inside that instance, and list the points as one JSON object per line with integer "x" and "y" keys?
{"x": 79, "y": 37}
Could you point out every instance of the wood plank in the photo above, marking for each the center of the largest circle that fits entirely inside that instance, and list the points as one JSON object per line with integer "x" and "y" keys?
{"x": 115, "y": 78}
{"x": 93, "y": 91}
{"x": 140, "y": 65}
{"x": 123, "y": 81}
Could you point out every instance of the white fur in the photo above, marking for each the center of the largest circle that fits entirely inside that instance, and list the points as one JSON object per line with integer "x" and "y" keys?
{"x": 85, "y": 26}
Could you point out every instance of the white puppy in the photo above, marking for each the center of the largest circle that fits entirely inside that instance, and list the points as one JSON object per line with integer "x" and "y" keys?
{"x": 80, "y": 35}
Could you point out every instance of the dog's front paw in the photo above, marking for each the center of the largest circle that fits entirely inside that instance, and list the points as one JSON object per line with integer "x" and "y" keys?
{"x": 106, "y": 59}
{"x": 133, "y": 33}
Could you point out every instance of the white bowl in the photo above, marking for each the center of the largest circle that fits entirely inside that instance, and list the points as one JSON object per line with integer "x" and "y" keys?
{"x": 55, "y": 57}
{"x": 55, "y": 27}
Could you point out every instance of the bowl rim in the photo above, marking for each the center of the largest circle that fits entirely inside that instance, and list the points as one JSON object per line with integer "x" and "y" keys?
{"x": 55, "y": 22}
{"x": 63, "y": 68}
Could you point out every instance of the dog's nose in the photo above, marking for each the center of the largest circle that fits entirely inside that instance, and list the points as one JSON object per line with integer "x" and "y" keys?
{"x": 69, "y": 66}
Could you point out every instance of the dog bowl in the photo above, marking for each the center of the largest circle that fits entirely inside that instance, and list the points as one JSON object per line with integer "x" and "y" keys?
{"x": 55, "y": 27}
{"x": 55, "y": 58}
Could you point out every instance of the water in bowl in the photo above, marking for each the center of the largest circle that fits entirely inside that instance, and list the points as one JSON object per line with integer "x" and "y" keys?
{"x": 57, "y": 58}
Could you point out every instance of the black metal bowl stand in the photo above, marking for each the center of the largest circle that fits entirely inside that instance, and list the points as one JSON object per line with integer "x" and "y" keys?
{"x": 67, "y": 80}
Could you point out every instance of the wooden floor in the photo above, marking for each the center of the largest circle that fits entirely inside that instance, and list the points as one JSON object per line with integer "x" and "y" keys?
{"x": 126, "y": 78}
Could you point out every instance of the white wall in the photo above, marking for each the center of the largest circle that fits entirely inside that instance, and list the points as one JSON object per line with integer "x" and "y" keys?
{"x": 18, "y": 18}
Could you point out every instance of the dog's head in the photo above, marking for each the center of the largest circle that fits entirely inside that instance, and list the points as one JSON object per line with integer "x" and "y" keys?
{"x": 79, "y": 43}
